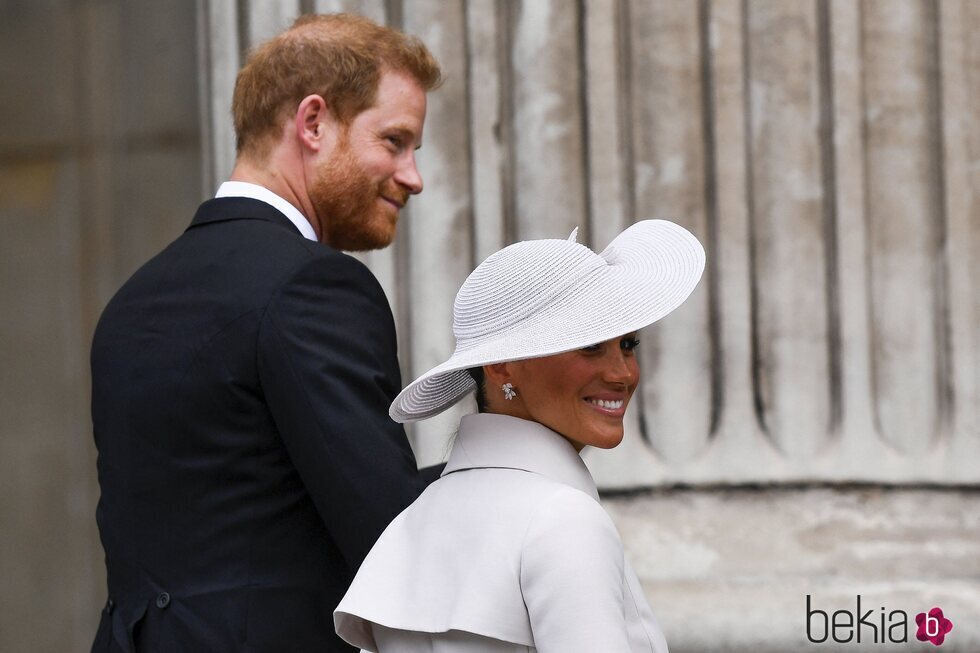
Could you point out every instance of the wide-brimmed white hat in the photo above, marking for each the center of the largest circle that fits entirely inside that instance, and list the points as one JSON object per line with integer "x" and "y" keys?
{"x": 542, "y": 297}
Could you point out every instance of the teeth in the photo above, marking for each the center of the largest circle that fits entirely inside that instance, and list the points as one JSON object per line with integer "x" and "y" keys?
{"x": 602, "y": 403}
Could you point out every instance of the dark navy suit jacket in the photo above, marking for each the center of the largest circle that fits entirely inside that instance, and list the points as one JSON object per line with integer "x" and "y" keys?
{"x": 240, "y": 389}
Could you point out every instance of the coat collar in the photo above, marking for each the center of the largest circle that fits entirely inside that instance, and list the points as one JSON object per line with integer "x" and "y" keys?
{"x": 222, "y": 209}
{"x": 489, "y": 440}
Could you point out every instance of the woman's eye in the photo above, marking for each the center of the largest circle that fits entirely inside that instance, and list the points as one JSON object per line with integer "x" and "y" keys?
{"x": 629, "y": 344}
{"x": 591, "y": 349}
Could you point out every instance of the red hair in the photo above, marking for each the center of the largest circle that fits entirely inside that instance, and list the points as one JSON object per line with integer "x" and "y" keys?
{"x": 340, "y": 57}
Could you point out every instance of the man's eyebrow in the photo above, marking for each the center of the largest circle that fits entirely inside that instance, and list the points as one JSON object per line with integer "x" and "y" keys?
{"x": 404, "y": 130}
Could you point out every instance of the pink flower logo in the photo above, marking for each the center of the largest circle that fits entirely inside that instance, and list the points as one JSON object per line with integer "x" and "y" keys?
{"x": 932, "y": 626}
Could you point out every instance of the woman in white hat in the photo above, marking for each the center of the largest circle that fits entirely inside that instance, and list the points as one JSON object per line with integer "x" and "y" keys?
{"x": 510, "y": 550}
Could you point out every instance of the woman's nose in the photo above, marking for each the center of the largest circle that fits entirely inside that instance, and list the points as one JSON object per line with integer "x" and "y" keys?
{"x": 621, "y": 367}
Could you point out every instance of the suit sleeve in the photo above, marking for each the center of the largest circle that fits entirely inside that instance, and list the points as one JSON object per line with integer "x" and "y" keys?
{"x": 572, "y": 577}
{"x": 329, "y": 370}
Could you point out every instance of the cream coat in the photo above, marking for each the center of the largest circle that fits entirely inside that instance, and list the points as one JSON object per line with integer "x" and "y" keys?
{"x": 508, "y": 552}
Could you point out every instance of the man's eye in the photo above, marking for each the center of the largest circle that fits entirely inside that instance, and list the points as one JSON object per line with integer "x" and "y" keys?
{"x": 396, "y": 141}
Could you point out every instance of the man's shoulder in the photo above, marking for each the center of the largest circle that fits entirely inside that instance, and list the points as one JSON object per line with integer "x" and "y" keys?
{"x": 240, "y": 221}
{"x": 248, "y": 235}
{"x": 236, "y": 259}
{"x": 236, "y": 265}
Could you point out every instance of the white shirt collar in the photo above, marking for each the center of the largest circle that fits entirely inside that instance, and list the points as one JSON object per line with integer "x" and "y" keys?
{"x": 492, "y": 440}
{"x": 263, "y": 194}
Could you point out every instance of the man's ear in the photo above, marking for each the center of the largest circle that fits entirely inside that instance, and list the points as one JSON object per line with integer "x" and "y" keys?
{"x": 312, "y": 122}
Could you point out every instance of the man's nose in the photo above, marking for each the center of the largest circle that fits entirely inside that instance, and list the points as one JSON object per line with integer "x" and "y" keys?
{"x": 408, "y": 176}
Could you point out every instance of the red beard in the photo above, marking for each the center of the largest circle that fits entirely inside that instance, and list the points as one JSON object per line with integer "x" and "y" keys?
{"x": 353, "y": 216}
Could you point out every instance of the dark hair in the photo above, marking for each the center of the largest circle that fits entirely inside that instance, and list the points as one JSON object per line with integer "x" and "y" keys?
{"x": 481, "y": 392}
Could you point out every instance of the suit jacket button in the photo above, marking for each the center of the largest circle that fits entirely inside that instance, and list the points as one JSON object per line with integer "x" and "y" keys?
{"x": 109, "y": 606}
{"x": 163, "y": 600}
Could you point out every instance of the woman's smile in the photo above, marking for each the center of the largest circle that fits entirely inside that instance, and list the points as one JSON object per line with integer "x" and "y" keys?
{"x": 581, "y": 394}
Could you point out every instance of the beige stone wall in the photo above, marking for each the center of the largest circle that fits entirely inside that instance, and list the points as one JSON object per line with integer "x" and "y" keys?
{"x": 826, "y": 151}
{"x": 729, "y": 570}
{"x": 100, "y": 166}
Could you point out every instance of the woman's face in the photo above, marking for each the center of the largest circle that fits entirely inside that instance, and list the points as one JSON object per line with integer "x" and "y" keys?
{"x": 580, "y": 394}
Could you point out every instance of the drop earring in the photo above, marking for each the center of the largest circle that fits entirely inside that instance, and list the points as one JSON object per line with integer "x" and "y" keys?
{"x": 509, "y": 392}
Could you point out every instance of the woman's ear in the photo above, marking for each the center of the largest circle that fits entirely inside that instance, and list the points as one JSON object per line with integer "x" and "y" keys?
{"x": 503, "y": 388}
{"x": 497, "y": 374}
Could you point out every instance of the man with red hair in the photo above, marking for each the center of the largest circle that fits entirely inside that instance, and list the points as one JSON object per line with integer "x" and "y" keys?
{"x": 241, "y": 378}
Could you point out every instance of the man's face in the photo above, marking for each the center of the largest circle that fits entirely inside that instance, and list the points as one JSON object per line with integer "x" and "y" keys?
{"x": 365, "y": 180}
